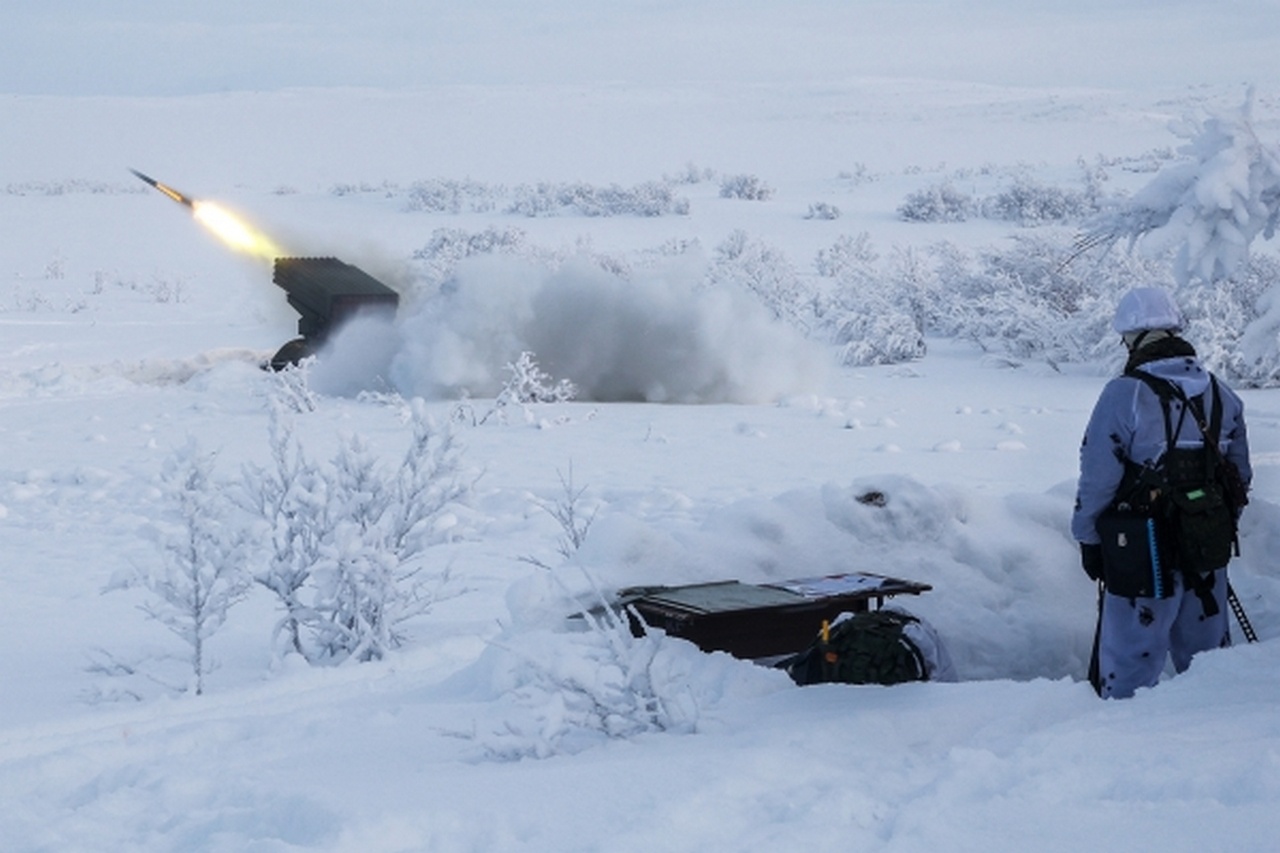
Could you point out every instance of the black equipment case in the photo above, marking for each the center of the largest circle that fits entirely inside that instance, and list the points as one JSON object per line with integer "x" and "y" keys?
{"x": 756, "y": 621}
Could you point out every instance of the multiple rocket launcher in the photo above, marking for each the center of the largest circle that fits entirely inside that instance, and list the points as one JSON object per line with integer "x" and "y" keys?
{"x": 324, "y": 291}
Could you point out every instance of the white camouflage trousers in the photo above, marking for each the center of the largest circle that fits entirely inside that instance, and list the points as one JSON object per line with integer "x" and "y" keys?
{"x": 1136, "y": 635}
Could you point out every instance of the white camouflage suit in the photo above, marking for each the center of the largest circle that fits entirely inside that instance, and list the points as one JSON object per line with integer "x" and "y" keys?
{"x": 1136, "y": 635}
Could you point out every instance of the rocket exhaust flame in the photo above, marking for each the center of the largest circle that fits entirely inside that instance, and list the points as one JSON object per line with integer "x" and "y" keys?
{"x": 234, "y": 231}
{"x": 225, "y": 225}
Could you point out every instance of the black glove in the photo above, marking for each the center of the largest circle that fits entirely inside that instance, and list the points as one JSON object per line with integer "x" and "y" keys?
{"x": 1091, "y": 559}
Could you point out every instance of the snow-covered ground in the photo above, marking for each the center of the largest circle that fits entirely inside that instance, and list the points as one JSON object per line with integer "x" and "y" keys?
{"x": 127, "y": 330}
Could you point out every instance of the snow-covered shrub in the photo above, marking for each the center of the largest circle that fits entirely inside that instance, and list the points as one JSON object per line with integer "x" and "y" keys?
{"x": 848, "y": 256}
{"x": 527, "y": 385}
{"x": 822, "y": 210}
{"x": 1221, "y": 317}
{"x": 1025, "y": 201}
{"x": 748, "y": 187}
{"x": 560, "y": 690}
{"x": 1022, "y": 301}
{"x": 439, "y": 258}
{"x": 441, "y": 195}
{"x": 568, "y": 512}
{"x": 345, "y": 188}
{"x": 653, "y": 198}
{"x": 1035, "y": 299}
{"x": 570, "y": 690}
{"x": 1093, "y": 177}
{"x": 908, "y": 276}
{"x": 71, "y": 186}
{"x": 292, "y": 389}
{"x": 1040, "y": 299}
{"x": 870, "y": 319}
{"x": 1258, "y": 345}
{"x": 1028, "y": 202}
{"x": 765, "y": 271}
{"x": 343, "y": 539}
{"x": 691, "y": 174}
{"x": 56, "y": 269}
{"x": 937, "y": 203}
{"x": 199, "y": 577}
{"x": 860, "y": 174}
{"x": 885, "y": 336}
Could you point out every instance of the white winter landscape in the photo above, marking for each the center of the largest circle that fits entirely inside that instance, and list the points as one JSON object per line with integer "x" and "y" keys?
{"x": 788, "y": 254}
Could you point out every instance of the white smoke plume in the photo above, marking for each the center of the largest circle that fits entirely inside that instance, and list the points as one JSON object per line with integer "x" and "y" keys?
{"x": 660, "y": 338}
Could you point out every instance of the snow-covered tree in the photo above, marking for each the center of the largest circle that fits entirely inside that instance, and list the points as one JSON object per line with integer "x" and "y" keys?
{"x": 343, "y": 538}
{"x": 1209, "y": 205}
{"x": 200, "y": 576}
{"x": 1208, "y": 208}
{"x": 291, "y": 499}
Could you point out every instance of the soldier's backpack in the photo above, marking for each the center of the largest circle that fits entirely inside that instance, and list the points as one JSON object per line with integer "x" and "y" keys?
{"x": 1201, "y": 490}
{"x": 863, "y": 648}
{"x": 1187, "y": 503}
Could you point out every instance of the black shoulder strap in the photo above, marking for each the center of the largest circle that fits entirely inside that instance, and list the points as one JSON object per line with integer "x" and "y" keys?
{"x": 1214, "y": 432}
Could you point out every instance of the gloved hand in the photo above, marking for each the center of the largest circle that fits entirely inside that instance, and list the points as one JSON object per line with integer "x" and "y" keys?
{"x": 1091, "y": 559}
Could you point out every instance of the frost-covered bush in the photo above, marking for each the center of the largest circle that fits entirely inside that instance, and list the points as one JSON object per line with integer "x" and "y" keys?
{"x": 527, "y": 385}
{"x": 531, "y": 384}
{"x": 1026, "y": 302}
{"x": 653, "y": 198}
{"x": 438, "y": 259}
{"x": 858, "y": 175}
{"x": 885, "y": 336}
{"x": 292, "y": 388}
{"x": 765, "y": 271}
{"x": 691, "y": 174}
{"x": 937, "y": 203}
{"x": 1024, "y": 201}
{"x": 871, "y": 319}
{"x": 748, "y": 187}
{"x": 1028, "y": 202}
{"x": 441, "y": 195}
{"x": 345, "y": 188}
{"x": 1038, "y": 299}
{"x": 582, "y": 689}
{"x": 341, "y": 540}
{"x": 822, "y": 210}
{"x": 848, "y": 256}
{"x": 1221, "y": 315}
{"x": 71, "y": 186}
{"x": 567, "y": 691}
{"x": 564, "y": 685}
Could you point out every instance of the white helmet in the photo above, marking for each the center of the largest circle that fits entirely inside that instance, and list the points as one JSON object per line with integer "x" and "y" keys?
{"x": 1145, "y": 309}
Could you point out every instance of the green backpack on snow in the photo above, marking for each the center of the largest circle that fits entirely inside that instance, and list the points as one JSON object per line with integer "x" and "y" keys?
{"x": 865, "y": 648}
